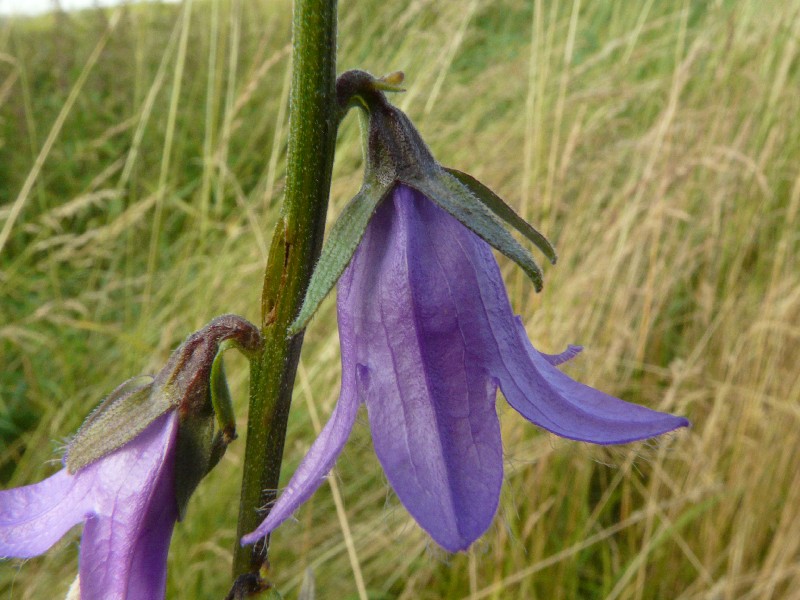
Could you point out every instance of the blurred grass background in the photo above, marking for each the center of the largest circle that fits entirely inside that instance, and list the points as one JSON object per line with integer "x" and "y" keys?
{"x": 657, "y": 143}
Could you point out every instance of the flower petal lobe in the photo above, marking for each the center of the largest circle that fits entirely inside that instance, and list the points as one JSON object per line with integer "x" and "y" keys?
{"x": 431, "y": 407}
{"x": 34, "y": 517}
{"x": 321, "y": 456}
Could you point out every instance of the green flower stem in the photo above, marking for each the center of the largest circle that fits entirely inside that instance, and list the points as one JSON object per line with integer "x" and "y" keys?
{"x": 296, "y": 245}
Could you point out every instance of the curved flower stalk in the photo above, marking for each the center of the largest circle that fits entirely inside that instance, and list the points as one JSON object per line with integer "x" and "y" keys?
{"x": 427, "y": 336}
{"x": 131, "y": 469}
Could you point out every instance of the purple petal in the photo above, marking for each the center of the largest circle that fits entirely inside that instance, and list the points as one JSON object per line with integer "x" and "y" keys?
{"x": 148, "y": 571}
{"x": 568, "y": 354}
{"x": 128, "y": 502}
{"x": 580, "y": 411}
{"x": 531, "y": 383}
{"x": 431, "y": 407}
{"x": 325, "y": 449}
{"x": 125, "y": 543}
{"x": 34, "y": 517}
{"x": 556, "y": 359}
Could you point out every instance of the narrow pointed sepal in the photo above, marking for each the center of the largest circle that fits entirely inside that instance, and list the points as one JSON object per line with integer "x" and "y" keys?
{"x": 194, "y": 379}
{"x": 221, "y": 400}
{"x": 121, "y": 417}
{"x": 344, "y": 237}
{"x": 449, "y": 194}
{"x": 498, "y": 206}
{"x": 184, "y": 383}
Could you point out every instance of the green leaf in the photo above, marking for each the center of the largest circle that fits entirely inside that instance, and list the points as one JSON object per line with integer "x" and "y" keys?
{"x": 446, "y": 191}
{"x": 122, "y": 416}
{"x": 498, "y": 206}
{"x": 345, "y": 235}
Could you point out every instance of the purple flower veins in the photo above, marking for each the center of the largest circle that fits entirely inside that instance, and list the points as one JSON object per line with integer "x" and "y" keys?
{"x": 427, "y": 335}
{"x": 126, "y": 500}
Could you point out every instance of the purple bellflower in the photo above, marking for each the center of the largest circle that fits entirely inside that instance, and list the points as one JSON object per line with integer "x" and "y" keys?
{"x": 428, "y": 335}
{"x": 127, "y": 501}
{"x": 130, "y": 470}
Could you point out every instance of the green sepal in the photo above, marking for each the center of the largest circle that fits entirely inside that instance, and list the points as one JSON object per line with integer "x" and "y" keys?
{"x": 396, "y": 154}
{"x": 119, "y": 418}
{"x": 222, "y": 404}
{"x": 498, "y": 206}
{"x": 345, "y": 235}
{"x": 447, "y": 192}
{"x": 221, "y": 400}
{"x": 193, "y": 383}
{"x": 199, "y": 446}
{"x": 196, "y": 375}
{"x": 194, "y": 448}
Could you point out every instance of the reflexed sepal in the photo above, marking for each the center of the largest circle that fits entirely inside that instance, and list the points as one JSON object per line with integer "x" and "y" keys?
{"x": 446, "y": 191}
{"x": 343, "y": 239}
{"x": 194, "y": 378}
{"x": 221, "y": 400}
{"x": 498, "y": 206}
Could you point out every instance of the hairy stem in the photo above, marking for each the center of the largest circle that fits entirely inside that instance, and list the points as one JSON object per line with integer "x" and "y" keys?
{"x": 296, "y": 245}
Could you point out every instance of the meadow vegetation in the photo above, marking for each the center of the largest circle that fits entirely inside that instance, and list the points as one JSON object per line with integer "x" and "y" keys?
{"x": 142, "y": 155}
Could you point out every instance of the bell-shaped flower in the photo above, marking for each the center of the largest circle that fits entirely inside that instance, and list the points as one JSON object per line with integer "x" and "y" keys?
{"x": 127, "y": 501}
{"x": 427, "y": 335}
{"x": 131, "y": 469}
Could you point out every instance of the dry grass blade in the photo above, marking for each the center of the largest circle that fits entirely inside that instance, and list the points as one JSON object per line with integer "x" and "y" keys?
{"x": 656, "y": 145}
